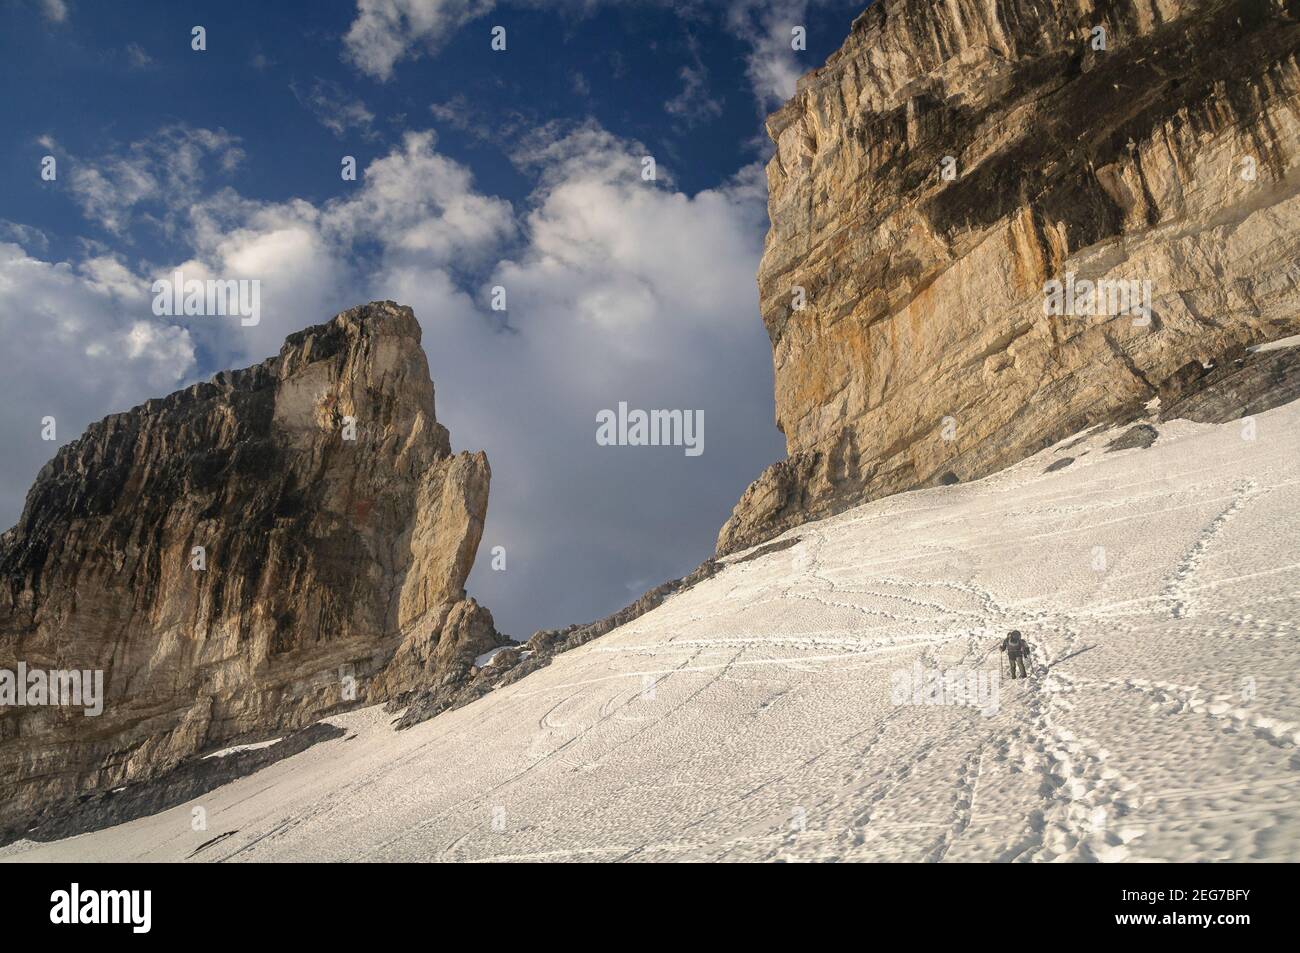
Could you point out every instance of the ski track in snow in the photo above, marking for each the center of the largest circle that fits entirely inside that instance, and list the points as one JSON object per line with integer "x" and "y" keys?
{"x": 753, "y": 717}
{"x": 1178, "y": 591}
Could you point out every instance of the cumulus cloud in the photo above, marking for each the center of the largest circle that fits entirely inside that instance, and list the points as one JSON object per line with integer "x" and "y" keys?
{"x": 602, "y": 232}
{"x": 622, "y": 290}
{"x": 157, "y": 176}
{"x": 302, "y": 276}
{"x": 79, "y": 342}
{"x": 414, "y": 210}
{"x": 422, "y": 206}
{"x": 24, "y": 235}
{"x": 388, "y": 31}
{"x": 772, "y": 66}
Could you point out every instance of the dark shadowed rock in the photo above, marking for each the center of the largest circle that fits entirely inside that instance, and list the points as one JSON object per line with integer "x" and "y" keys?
{"x": 195, "y": 777}
{"x": 1237, "y": 386}
{"x": 1138, "y": 437}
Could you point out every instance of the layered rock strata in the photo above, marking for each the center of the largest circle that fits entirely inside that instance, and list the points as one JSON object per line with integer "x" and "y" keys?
{"x": 950, "y": 163}
{"x": 240, "y": 558}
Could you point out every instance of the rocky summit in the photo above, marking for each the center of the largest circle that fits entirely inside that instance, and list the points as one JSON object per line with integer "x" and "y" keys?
{"x": 995, "y": 224}
{"x": 238, "y": 559}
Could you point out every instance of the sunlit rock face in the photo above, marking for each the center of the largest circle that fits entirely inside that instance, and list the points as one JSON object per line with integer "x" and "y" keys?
{"x": 239, "y": 558}
{"x": 948, "y": 164}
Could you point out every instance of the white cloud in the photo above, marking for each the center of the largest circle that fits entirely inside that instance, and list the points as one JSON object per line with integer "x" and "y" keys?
{"x": 30, "y": 238}
{"x": 165, "y": 171}
{"x": 56, "y": 11}
{"x": 414, "y": 211}
{"x": 772, "y": 65}
{"x": 335, "y": 108}
{"x": 423, "y": 207}
{"x": 693, "y": 104}
{"x": 502, "y": 129}
{"x": 561, "y": 152}
{"x": 302, "y": 275}
{"x": 111, "y": 278}
{"x": 137, "y": 57}
{"x": 80, "y": 342}
{"x": 388, "y": 31}
{"x": 625, "y": 247}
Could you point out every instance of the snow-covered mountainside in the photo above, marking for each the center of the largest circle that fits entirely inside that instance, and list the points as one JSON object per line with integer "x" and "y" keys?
{"x": 774, "y": 712}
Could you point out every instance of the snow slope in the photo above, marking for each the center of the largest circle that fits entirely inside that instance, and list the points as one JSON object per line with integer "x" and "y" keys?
{"x": 756, "y": 717}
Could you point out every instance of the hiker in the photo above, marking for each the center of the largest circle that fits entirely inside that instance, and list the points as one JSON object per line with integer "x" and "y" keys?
{"x": 1017, "y": 650}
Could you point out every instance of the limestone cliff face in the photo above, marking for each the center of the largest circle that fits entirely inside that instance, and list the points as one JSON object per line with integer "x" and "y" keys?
{"x": 337, "y": 531}
{"x": 923, "y": 353}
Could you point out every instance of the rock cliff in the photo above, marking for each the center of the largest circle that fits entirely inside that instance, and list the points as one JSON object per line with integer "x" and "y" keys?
{"x": 240, "y": 558}
{"x": 950, "y": 162}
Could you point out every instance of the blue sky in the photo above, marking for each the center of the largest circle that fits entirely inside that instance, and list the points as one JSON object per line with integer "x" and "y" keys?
{"x": 476, "y": 168}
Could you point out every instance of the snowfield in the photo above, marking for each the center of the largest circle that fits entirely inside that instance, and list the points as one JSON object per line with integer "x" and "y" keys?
{"x": 774, "y": 713}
